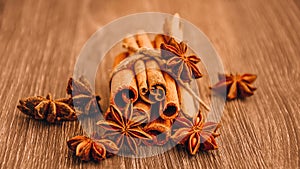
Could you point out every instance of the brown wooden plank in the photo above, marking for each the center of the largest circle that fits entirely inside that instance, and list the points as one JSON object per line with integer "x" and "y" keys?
{"x": 40, "y": 41}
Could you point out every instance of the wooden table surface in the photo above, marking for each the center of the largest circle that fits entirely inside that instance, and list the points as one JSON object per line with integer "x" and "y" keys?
{"x": 40, "y": 41}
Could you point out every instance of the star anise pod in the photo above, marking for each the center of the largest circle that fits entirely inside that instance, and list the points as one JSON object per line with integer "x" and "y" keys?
{"x": 182, "y": 66}
{"x": 47, "y": 109}
{"x": 124, "y": 128}
{"x": 92, "y": 149}
{"x": 196, "y": 134}
{"x": 236, "y": 86}
{"x": 84, "y": 99}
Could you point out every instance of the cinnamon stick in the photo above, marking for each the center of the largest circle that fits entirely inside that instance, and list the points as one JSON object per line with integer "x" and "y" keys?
{"x": 123, "y": 85}
{"x": 143, "y": 40}
{"x": 123, "y": 88}
{"x": 171, "y": 108}
{"x": 160, "y": 130}
{"x": 141, "y": 77}
{"x": 130, "y": 44}
{"x": 156, "y": 81}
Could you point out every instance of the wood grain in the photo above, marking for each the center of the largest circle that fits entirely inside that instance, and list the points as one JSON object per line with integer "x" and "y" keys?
{"x": 40, "y": 41}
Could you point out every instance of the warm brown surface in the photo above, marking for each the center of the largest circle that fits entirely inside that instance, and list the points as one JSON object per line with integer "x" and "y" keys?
{"x": 40, "y": 41}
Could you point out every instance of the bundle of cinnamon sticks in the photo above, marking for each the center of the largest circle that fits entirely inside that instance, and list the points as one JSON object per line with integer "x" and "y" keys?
{"x": 154, "y": 93}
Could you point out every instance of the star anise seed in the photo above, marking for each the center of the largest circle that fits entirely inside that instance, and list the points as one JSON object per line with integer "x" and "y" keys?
{"x": 41, "y": 108}
{"x": 236, "y": 86}
{"x": 196, "y": 135}
{"x": 183, "y": 67}
{"x": 89, "y": 149}
{"x": 83, "y": 97}
{"x": 123, "y": 128}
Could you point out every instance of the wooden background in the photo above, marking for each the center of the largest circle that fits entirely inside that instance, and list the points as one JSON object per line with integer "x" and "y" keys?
{"x": 40, "y": 41}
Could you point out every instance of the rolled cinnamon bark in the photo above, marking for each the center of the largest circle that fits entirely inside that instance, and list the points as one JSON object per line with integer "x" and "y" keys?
{"x": 141, "y": 77}
{"x": 171, "y": 107}
{"x": 123, "y": 85}
{"x": 160, "y": 130}
{"x": 130, "y": 44}
{"x": 143, "y": 40}
{"x": 156, "y": 81}
{"x": 123, "y": 88}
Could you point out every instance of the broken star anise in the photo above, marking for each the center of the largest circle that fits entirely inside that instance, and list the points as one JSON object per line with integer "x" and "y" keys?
{"x": 92, "y": 149}
{"x": 124, "y": 128}
{"x": 83, "y": 98}
{"x": 196, "y": 134}
{"x": 183, "y": 67}
{"x": 47, "y": 109}
{"x": 236, "y": 86}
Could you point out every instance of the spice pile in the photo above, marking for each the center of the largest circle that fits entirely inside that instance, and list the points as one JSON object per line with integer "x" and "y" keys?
{"x": 148, "y": 102}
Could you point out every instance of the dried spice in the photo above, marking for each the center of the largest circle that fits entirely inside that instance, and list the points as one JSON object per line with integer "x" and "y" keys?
{"x": 160, "y": 130}
{"x": 41, "y": 108}
{"x": 135, "y": 90}
{"x": 237, "y": 86}
{"x": 27, "y": 105}
{"x": 88, "y": 149}
{"x": 196, "y": 134}
{"x": 183, "y": 67}
{"x": 124, "y": 128}
{"x": 83, "y": 97}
